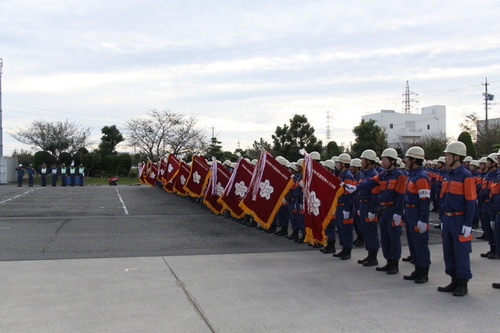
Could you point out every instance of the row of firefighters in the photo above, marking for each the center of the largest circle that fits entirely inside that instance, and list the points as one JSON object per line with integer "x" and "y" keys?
{"x": 69, "y": 175}
{"x": 385, "y": 193}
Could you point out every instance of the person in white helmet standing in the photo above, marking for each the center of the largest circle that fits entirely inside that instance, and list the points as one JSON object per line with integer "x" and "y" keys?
{"x": 457, "y": 198}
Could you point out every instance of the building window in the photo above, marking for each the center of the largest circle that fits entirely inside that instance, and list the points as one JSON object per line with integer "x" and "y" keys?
{"x": 391, "y": 126}
{"x": 428, "y": 127}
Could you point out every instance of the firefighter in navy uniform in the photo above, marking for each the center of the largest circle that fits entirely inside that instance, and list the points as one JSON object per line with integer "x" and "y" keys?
{"x": 81, "y": 174}
{"x": 42, "y": 170}
{"x": 416, "y": 203}
{"x": 20, "y": 175}
{"x": 457, "y": 206}
{"x": 392, "y": 184}
{"x": 53, "y": 174}
{"x": 63, "y": 172}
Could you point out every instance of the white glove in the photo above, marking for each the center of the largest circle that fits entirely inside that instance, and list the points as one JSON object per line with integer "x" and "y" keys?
{"x": 371, "y": 216}
{"x": 350, "y": 188}
{"x": 397, "y": 219}
{"x": 492, "y": 223}
{"x": 422, "y": 227}
{"x": 346, "y": 214}
{"x": 301, "y": 183}
{"x": 357, "y": 213}
{"x": 466, "y": 231}
{"x": 284, "y": 202}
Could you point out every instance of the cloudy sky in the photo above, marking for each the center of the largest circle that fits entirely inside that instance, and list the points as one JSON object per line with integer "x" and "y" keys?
{"x": 243, "y": 67}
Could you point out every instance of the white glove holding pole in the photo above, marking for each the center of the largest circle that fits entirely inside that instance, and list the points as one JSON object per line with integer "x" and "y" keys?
{"x": 422, "y": 227}
{"x": 492, "y": 223}
{"x": 371, "y": 216}
{"x": 397, "y": 219}
{"x": 350, "y": 188}
{"x": 346, "y": 214}
{"x": 466, "y": 231}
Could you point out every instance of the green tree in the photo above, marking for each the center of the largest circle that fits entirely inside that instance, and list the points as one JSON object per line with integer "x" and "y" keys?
{"x": 43, "y": 157}
{"x": 24, "y": 157}
{"x": 110, "y": 139}
{"x": 368, "y": 136}
{"x": 297, "y": 135}
{"x": 53, "y": 137}
{"x": 466, "y": 138}
{"x": 92, "y": 162}
{"x": 109, "y": 165}
{"x": 332, "y": 149}
{"x": 484, "y": 137}
{"x": 123, "y": 164}
{"x": 214, "y": 149}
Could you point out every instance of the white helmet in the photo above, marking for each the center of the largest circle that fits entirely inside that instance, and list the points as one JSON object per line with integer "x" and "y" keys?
{"x": 377, "y": 160}
{"x": 369, "y": 155}
{"x": 335, "y": 158}
{"x": 253, "y": 162}
{"x": 468, "y": 159}
{"x": 415, "y": 152}
{"x": 399, "y": 161}
{"x": 233, "y": 165}
{"x": 390, "y": 152}
{"x": 300, "y": 162}
{"x": 329, "y": 164}
{"x": 475, "y": 163}
{"x": 293, "y": 166}
{"x": 493, "y": 157}
{"x": 315, "y": 156}
{"x": 457, "y": 148}
{"x": 281, "y": 160}
{"x": 356, "y": 162}
{"x": 442, "y": 159}
{"x": 344, "y": 158}
{"x": 483, "y": 160}
{"x": 434, "y": 162}
{"x": 227, "y": 163}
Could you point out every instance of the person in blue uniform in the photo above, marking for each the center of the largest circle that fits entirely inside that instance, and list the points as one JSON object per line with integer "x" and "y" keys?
{"x": 392, "y": 183}
{"x": 43, "y": 171}
{"x": 416, "y": 217}
{"x": 81, "y": 174}
{"x": 368, "y": 201}
{"x": 457, "y": 205}
{"x": 53, "y": 173}
{"x": 72, "y": 174}
{"x": 63, "y": 171}
{"x": 20, "y": 175}
{"x": 31, "y": 175}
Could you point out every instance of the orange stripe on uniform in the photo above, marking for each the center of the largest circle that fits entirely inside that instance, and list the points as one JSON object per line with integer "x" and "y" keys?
{"x": 470, "y": 189}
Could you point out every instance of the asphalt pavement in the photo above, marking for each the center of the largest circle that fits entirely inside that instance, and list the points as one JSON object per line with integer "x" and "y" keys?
{"x": 138, "y": 259}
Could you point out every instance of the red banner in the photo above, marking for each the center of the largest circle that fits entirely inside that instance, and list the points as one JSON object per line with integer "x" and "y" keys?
{"x": 162, "y": 167}
{"x": 180, "y": 179}
{"x": 197, "y": 179}
{"x": 269, "y": 185}
{"x": 237, "y": 188}
{"x": 171, "y": 169}
{"x": 152, "y": 174}
{"x": 219, "y": 177}
{"x": 144, "y": 171}
{"x": 321, "y": 192}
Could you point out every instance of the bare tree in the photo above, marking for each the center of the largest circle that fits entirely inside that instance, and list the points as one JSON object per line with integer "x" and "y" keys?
{"x": 433, "y": 145}
{"x": 55, "y": 137}
{"x": 161, "y": 132}
{"x": 485, "y": 138}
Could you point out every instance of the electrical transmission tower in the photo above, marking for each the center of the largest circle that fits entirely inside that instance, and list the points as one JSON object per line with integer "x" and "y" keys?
{"x": 408, "y": 100}
{"x": 328, "y": 132}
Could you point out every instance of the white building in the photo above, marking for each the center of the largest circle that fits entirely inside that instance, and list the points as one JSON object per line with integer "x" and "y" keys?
{"x": 410, "y": 127}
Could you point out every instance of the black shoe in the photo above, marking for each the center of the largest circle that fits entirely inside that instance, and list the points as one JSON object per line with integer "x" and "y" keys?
{"x": 340, "y": 254}
{"x": 252, "y": 224}
{"x": 493, "y": 250}
{"x": 423, "y": 276}
{"x": 407, "y": 259}
{"x": 496, "y": 285}
{"x": 414, "y": 274}
{"x": 451, "y": 287}
{"x": 347, "y": 254}
{"x": 362, "y": 261}
{"x": 371, "y": 262}
{"x": 300, "y": 240}
{"x": 394, "y": 269}
{"x": 437, "y": 226}
{"x": 282, "y": 232}
{"x": 271, "y": 229}
{"x": 384, "y": 268}
{"x": 493, "y": 256}
{"x": 318, "y": 246}
{"x": 259, "y": 227}
{"x": 461, "y": 289}
{"x": 293, "y": 235}
{"x": 359, "y": 243}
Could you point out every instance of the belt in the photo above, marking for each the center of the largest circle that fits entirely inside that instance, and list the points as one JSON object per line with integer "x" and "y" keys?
{"x": 386, "y": 203}
{"x": 410, "y": 206}
{"x": 487, "y": 200}
{"x": 340, "y": 204}
{"x": 364, "y": 200}
{"x": 454, "y": 213}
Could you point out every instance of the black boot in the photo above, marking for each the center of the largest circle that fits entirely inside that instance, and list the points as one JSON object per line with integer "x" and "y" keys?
{"x": 252, "y": 223}
{"x": 329, "y": 248}
{"x": 493, "y": 250}
{"x": 423, "y": 276}
{"x": 293, "y": 235}
{"x": 408, "y": 259}
{"x": 394, "y": 269}
{"x": 300, "y": 239}
{"x": 414, "y": 274}
{"x": 360, "y": 241}
{"x": 496, "y": 285}
{"x": 283, "y": 231}
{"x": 347, "y": 254}
{"x": 451, "y": 287}
{"x": 362, "y": 261}
{"x": 461, "y": 289}
{"x": 340, "y": 254}
{"x": 386, "y": 267}
{"x": 372, "y": 259}
{"x": 271, "y": 229}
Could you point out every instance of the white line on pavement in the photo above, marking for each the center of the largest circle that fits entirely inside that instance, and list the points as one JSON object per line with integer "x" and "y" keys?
{"x": 121, "y": 200}
{"x": 17, "y": 196}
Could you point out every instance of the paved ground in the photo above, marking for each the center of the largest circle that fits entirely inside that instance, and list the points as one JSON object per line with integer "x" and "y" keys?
{"x": 137, "y": 259}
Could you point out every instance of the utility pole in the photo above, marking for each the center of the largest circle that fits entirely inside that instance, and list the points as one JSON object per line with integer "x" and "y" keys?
{"x": 328, "y": 133}
{"x": 1, "y": 126}
{"x": 487, "y": 98}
